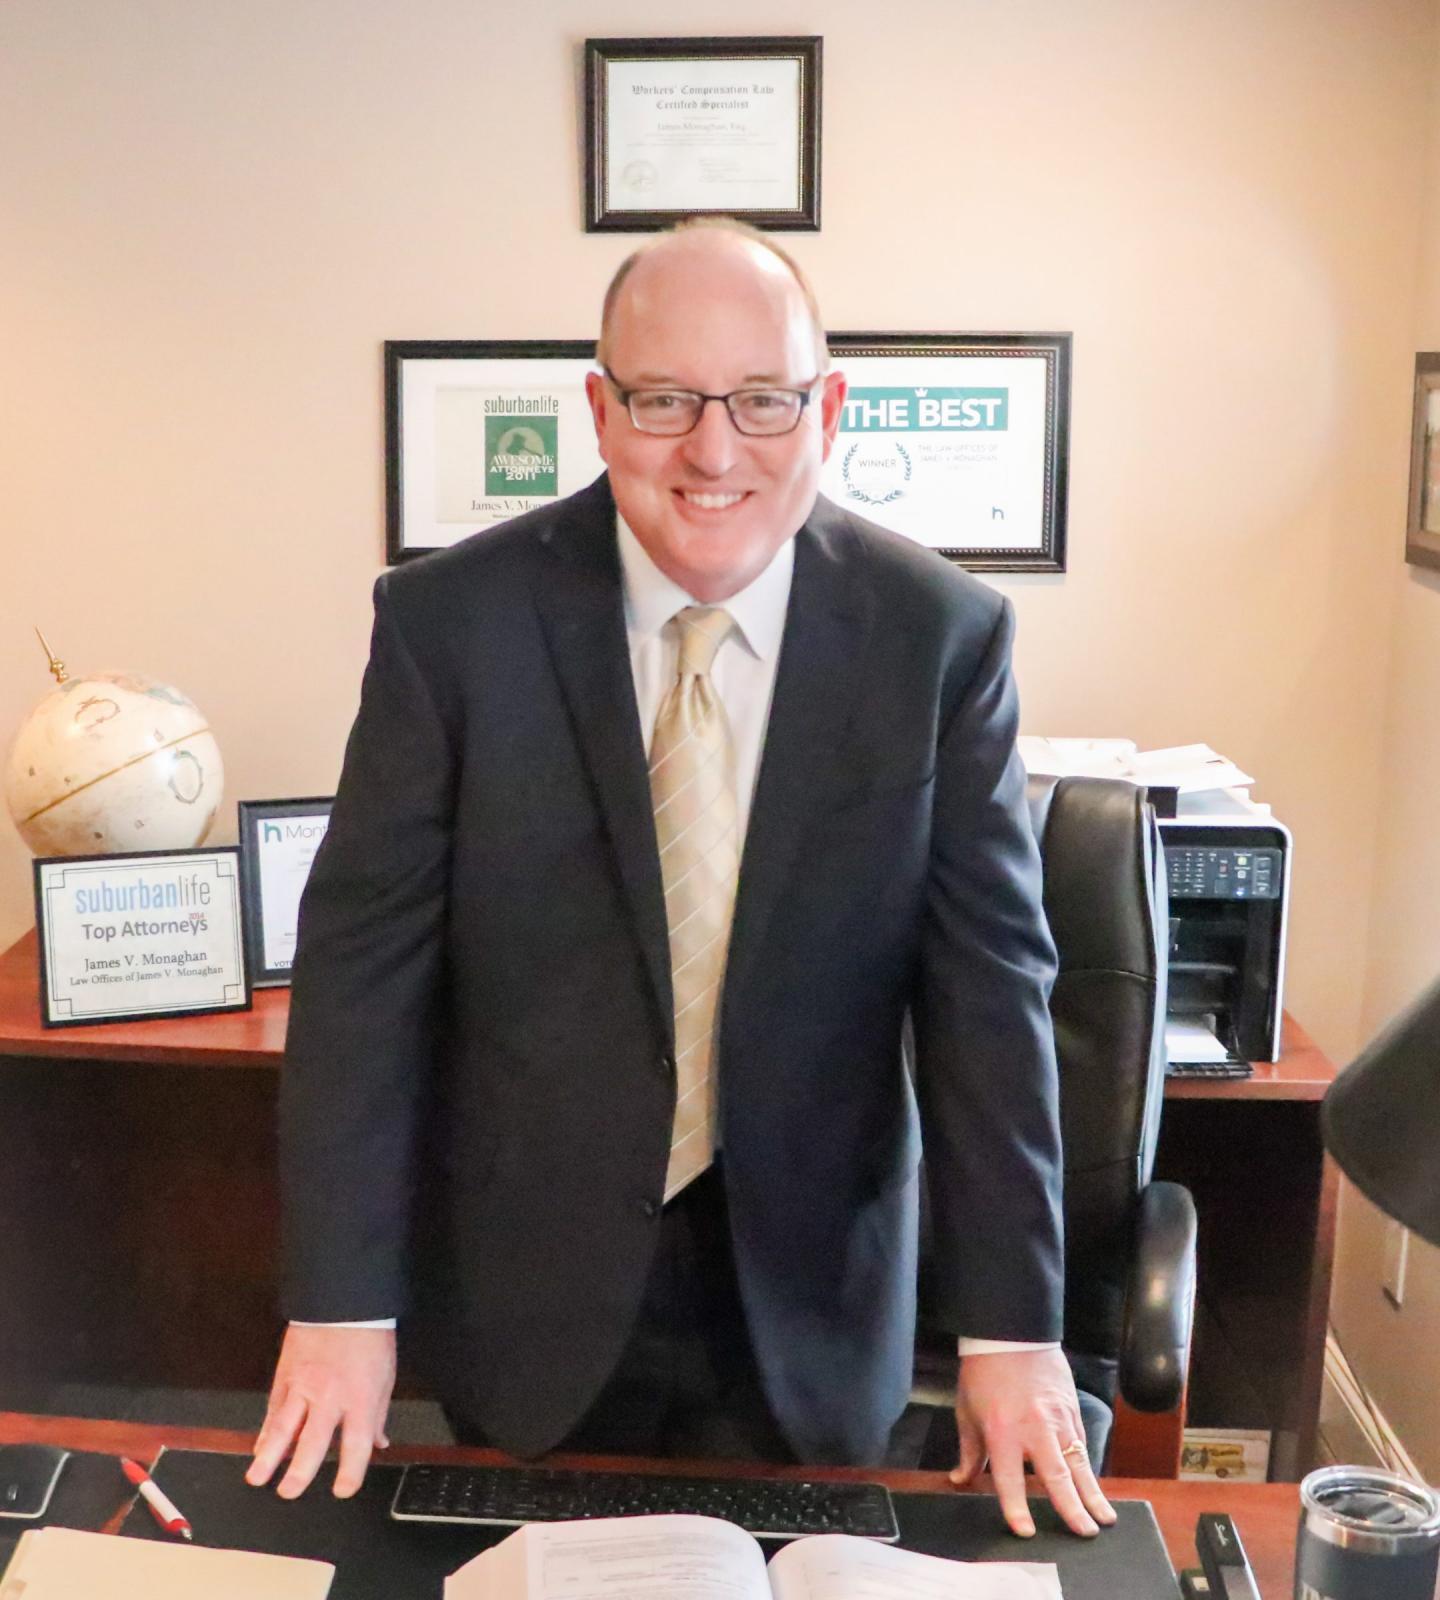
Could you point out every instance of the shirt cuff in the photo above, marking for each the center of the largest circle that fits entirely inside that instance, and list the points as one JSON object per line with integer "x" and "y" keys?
{"x": 380, "y": 1322}
{"x": 992, "y": 1347}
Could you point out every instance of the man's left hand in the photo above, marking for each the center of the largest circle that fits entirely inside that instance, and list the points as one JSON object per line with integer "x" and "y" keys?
{"x": 1019, "y": 1405}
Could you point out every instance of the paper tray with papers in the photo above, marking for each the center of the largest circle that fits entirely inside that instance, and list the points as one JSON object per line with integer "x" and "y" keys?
{"x": 379, "y": 1559}
{"x": 1193, "y": 1051}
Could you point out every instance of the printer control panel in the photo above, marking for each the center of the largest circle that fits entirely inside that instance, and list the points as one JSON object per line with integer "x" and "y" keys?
{"x": 1222, "y": 872}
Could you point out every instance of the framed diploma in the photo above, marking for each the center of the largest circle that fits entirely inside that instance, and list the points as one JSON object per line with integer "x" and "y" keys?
{"x": 684, "y": 127}
{"x": 958, "y": 441}
{"x": 476, "y": 433}
{"x": 156, "y": 933}
{"x": 278, "y": 841}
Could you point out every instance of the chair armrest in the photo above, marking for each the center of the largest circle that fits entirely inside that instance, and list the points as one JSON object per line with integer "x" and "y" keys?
{"x": 1159, "y": 1300}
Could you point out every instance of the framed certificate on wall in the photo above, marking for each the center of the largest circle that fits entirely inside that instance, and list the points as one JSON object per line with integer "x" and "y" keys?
{"x": 691, "y": 127}
{"x": 479, "y": 431}
{"x": 960, "y": 441}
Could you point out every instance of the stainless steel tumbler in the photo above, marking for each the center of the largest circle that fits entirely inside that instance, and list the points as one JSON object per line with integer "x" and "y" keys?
{"x": 1366, "y": 1535}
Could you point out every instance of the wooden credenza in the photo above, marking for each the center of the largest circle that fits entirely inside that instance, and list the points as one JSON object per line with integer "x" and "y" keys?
{"x": 140, "y": 1215}
{"x": 1250, "y": 1152}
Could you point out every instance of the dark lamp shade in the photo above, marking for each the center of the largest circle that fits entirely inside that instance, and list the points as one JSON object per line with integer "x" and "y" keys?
{"x": 1381, "y": 1118}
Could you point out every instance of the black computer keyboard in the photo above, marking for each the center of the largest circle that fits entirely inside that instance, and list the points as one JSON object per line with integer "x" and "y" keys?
{"x": 1209, "y": 1069}
{"x": 767, "y": 1509}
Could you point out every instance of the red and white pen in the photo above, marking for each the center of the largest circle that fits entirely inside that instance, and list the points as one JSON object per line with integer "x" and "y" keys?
{"x": 162, "y": 1507}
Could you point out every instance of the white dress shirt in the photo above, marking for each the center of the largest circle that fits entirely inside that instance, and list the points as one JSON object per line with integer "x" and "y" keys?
{"x": 743, "y": 671}
{"x": 743, "y": 674}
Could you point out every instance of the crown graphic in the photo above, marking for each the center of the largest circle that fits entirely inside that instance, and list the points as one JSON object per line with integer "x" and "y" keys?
{"x": 921, "y": 393}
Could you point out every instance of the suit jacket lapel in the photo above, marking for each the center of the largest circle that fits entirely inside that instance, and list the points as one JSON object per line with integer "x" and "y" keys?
{"x": 581, "y": 605}
{"x": 821, "y": 660}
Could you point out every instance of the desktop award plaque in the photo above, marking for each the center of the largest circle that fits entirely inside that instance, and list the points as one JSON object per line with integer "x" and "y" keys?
{"x": 278, "y": 841}
{"x": 156, "y": 933}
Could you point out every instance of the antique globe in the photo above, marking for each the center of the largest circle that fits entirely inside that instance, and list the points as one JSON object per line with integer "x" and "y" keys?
{"x": 113, "y": 762}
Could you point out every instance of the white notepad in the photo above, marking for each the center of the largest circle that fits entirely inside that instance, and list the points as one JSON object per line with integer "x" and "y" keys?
{"x": 63, "y": 1564}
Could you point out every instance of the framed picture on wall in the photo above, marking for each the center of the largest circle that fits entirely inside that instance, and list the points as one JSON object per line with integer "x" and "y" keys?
{"x": 688, "y": 127}
{"x": 477, "y": 432}
{"x": 1422, "y": 533}
{"x": 959, "y": 441}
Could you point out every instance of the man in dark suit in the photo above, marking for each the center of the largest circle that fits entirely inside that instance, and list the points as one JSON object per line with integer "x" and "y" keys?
{"x": 665, "y": 808}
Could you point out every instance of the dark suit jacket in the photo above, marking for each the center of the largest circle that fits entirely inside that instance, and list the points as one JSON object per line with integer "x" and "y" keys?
{"x": 477, "y": 1099}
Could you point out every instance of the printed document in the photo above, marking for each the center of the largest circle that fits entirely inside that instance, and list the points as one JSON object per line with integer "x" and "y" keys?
{"x": 704, "y": 1558}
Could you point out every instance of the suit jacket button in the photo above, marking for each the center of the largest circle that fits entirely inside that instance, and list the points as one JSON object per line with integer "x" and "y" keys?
{"x": 651, "y": 1208}
{"x": 665, "y": 1066}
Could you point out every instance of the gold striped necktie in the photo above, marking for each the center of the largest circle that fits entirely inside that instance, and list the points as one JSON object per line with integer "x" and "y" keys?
{"x": 692, "y": 787}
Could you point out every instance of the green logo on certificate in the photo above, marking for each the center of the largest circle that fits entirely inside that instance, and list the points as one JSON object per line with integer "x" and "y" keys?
{"x": 520, "y": 455}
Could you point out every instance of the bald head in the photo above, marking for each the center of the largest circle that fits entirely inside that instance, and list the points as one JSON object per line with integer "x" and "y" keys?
{"x": 713, "y": 312}
{"x": 690, "y": 249}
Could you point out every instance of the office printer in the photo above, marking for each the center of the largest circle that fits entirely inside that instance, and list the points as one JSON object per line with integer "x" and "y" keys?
{"x": 1228, "y": 872}
{"x": 1229, "y": 881}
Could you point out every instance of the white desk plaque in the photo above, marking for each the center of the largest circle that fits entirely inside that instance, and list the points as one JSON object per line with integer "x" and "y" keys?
{"x": 152, "y": 934}
{"x": 278, "y": 841}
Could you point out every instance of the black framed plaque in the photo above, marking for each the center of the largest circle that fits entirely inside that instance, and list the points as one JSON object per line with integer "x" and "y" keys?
{"x": 960, "y": 441}
{"x": 151, "y": 933}
{"x": 477, "y": 431}
{"x": 278, "y": 841}
{"x": 707, "y": 126}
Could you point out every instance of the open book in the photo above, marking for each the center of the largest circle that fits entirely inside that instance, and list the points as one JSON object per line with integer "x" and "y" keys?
{"x": 703, "y": 1558}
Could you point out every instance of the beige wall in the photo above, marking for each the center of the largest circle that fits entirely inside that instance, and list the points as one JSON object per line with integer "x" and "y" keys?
{"x": 212, "y": 212}
{"x": 1396, "y": 1353}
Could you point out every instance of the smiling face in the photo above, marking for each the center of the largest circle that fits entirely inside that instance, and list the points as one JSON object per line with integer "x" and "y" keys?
{"x": 712, "y": 312}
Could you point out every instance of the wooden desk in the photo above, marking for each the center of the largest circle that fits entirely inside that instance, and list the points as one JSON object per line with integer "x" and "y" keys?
{"x": 1266, "y": 1513}
{"x": 142, "y": 1218}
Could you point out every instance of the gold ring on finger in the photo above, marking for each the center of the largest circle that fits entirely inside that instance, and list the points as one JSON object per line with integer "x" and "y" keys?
{"x": 1076, "y": 1447}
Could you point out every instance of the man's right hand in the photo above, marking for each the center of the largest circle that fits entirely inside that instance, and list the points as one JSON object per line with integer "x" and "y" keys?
{"x": 326, "y": 1378}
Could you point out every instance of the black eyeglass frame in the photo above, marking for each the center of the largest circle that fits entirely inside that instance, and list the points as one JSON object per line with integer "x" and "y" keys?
{"x": 804, "y": 396}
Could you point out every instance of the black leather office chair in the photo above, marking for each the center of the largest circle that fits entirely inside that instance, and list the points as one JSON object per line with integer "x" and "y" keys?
{"x": 1129, "y": 1242}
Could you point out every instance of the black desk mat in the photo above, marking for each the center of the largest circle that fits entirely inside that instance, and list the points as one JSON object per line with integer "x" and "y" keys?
{"x": 90, "y": 1490}
{"x": 377, "y": 1559}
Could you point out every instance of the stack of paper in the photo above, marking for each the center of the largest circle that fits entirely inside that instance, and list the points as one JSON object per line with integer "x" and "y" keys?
{"x": 1187, "y": 1043}
{"x": 1076, "y": 758}
{"x": 62, "y": 1564}
{"x": 1186, "y": 768}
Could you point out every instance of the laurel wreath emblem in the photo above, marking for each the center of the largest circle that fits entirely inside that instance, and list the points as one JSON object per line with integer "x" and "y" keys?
{"x": 870, "y": 499}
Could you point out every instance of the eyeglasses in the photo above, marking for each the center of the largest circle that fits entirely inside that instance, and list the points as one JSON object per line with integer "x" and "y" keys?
{"x": 673, "y": 412}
